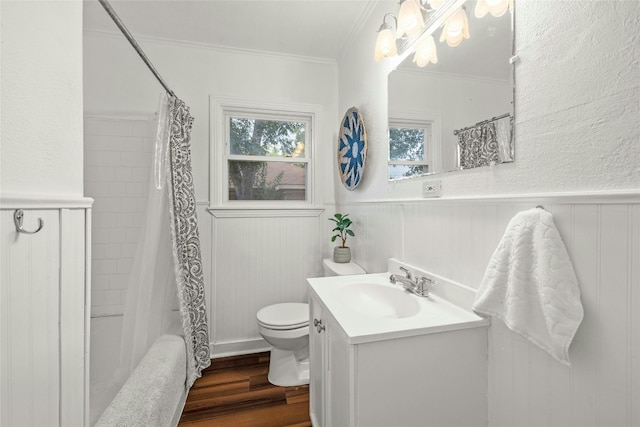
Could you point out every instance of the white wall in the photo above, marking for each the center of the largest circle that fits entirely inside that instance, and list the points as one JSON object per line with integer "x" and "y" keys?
{"x": 116, "y": 80}
{"x": 249, "y": 262}
{"x": 577, "y": 129}
{"x": 43, "y": 286}
{"x": 576, "y": 104}
{"x": 527, "y": 387}
{"x": 41, "y": 82}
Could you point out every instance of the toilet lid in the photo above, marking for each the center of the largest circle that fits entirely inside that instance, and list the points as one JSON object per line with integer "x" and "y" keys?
{"x": 289, "y": 315}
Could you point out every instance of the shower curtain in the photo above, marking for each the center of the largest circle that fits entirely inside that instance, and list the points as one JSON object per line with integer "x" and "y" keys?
{"x": 165, "y": 293}
{"x": 186, "y": 242}
{"x": 486, "y": 144}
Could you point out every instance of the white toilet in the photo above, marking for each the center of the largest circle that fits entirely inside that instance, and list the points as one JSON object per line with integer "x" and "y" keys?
{"x": 286, "y": 327}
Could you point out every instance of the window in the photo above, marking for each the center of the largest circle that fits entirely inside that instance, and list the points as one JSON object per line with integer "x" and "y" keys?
{"x": 410, "y": 147}
{"x": 262, "y": 155}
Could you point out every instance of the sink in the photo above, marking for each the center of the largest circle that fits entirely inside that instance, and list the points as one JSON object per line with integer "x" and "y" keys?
{"x": 380, "y": 301}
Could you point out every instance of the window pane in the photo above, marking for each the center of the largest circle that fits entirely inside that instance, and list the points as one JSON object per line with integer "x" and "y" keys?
{"x": 406, "y": 144}
{"x": 404, "y": 171}
{"x": 256, "y": 137}
{"x": 267, "y": 180}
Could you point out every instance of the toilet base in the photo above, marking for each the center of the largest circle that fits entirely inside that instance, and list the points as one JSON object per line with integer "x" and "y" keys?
{"x": 286, "y": 370}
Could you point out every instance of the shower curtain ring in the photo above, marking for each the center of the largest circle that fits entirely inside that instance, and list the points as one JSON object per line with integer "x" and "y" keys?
{"x": 18, "y": 215}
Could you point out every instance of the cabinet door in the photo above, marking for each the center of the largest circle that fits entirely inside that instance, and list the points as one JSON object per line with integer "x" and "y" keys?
{"x": 338, "y": 394}
{"x": 316, "y": 366}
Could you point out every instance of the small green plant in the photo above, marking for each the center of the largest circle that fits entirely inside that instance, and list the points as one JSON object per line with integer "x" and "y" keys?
{"x": 342, "y": 228}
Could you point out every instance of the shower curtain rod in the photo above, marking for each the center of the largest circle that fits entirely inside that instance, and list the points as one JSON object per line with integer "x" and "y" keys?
{"x": 135, "y": 44}
{"x": 493, "y": 119}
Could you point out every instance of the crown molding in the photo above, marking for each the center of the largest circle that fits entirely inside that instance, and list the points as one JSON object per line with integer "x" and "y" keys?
{"x": 212, "y": 47}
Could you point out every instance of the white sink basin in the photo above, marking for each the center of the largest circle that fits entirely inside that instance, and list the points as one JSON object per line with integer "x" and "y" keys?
{"x": 368, "y": 308}
{"x": 376, "y": 300}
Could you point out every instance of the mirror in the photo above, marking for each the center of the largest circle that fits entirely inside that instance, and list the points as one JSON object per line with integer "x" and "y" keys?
{"x": 457, "y": 113}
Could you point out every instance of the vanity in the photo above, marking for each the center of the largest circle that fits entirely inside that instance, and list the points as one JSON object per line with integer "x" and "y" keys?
{"x": 381, "y": 356}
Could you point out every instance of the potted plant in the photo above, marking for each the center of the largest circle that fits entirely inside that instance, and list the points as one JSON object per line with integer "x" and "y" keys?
{"x": 342, "y": 253}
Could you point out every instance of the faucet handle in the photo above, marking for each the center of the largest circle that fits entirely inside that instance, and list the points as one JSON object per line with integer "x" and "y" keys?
{"x": 407, "y": 272}
{"x": 426, "y": 280}
{"x": 422, "y": 285}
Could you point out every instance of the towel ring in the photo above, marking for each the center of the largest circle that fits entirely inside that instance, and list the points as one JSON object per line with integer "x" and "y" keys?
{"x": 18, "y": 216}
{"x": 541, "y": 207}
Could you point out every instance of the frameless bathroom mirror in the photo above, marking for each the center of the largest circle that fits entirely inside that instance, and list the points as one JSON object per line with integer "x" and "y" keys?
{"x": 458, "y": 113}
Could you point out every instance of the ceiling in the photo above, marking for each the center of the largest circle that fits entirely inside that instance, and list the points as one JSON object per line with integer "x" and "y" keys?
{"x": 310, "y": 28}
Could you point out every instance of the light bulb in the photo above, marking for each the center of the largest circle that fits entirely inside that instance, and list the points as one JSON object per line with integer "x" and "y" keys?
{"x": 410, "y": 19}
{"x": 456, "y": 28}
{"x": 426, "y": 52}
{"x": 497, "y": 8}
{"x": 386, "y": 44}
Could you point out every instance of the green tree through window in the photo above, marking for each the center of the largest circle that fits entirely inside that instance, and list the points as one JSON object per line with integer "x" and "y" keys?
{"x": 259, "y": 138}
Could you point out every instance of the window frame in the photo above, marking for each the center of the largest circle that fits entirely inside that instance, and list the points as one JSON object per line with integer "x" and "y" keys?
{"x": 432, "y": 151}
{"x": 221, "y": 110}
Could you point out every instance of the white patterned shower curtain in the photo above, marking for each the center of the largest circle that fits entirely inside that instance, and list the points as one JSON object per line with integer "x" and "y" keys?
{"x": 165, "y": 293}
{"x": 186, "y": 242}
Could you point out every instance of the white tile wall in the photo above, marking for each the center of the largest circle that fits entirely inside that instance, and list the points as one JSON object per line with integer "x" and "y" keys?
{"x": 117, "y": 159}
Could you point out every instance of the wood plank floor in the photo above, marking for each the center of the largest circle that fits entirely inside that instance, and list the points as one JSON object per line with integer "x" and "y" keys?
{"x": 234, "y": 391}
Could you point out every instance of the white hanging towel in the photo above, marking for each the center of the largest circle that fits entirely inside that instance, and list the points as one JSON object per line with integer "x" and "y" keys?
{"x": 531, "y": 286}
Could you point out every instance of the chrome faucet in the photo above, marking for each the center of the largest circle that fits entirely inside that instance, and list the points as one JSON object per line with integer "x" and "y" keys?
{"x": 418, "y": 285}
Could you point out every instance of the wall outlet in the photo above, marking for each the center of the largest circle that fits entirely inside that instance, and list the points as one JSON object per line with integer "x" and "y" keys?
{"x": 432, "y": 188}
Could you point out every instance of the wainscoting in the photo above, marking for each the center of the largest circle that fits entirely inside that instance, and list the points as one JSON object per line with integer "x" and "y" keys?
{"x": 44, "y": 313}
{"x": 455, "y": 239}
{"x": 254, "y": 262}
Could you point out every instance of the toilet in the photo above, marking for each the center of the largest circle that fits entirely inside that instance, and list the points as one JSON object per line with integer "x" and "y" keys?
{"x": 286, "y": 327}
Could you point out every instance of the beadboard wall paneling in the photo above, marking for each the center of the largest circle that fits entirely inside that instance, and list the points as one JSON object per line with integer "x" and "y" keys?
{"x": 257, "y": 262}
{"x": 43, "y": 317}
{"x": 73, "y": 317}
{"x": 30, "y": 376}
{"x": 526, "y": 386}
{"x": 378, "y": 235}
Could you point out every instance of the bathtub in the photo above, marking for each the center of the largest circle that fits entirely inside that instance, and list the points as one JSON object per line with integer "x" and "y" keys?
{"x": 154, "y": 393}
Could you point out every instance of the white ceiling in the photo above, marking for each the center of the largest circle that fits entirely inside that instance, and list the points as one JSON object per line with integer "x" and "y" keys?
{"x": 312, "y": 28}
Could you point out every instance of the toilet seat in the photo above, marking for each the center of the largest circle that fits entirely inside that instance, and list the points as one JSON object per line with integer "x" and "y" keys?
{"x": 284, "y": 316}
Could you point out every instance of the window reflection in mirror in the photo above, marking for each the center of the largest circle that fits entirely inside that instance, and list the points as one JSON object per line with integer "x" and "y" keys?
{"x": 470, "y": 84}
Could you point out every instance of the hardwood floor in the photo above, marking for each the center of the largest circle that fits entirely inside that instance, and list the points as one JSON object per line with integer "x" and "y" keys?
{"x": 234, "y": 391}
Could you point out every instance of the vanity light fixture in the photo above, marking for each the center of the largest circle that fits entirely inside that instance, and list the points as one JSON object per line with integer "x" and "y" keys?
{"x": 386, "y": 43}
{"x": 410, "y": 19}
{"x": 414, "y": 33}
{"x": 456, "y": 28}
{"x": 496, "y": 8}
{"x": 426, "y": 52}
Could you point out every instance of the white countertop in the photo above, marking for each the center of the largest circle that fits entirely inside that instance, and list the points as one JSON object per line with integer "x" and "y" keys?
{"x": 423, "y": 315}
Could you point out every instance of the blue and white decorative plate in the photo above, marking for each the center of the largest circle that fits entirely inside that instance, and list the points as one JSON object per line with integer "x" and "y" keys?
{"x": 352, "y": 148}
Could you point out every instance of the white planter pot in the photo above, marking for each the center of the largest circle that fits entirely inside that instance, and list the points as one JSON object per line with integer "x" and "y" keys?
{"x": 341, "y": 255}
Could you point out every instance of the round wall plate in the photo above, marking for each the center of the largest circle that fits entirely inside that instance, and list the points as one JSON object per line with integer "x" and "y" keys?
{"x": 352, "y": 148}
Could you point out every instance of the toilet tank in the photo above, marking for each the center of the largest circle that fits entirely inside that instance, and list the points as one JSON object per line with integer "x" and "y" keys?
{"x": 332, "y": 268}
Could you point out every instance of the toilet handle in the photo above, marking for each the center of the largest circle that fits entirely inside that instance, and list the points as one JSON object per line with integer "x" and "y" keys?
{"x": 318, "y": 324}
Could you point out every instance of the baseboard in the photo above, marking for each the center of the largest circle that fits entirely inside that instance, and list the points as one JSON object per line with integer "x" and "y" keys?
{"x": 238, "y": 348}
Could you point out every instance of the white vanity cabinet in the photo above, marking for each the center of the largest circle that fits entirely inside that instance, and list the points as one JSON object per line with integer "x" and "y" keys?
{"x": 436, "y": 378}
{"x": 330, "y": 390}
